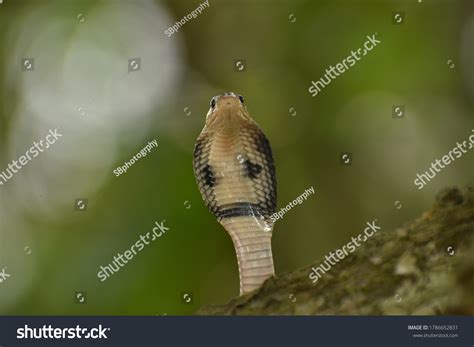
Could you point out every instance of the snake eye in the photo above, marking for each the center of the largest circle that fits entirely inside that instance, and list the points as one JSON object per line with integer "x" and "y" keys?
{"x": 241, "y": 98}
{"x": 213, "y": 102}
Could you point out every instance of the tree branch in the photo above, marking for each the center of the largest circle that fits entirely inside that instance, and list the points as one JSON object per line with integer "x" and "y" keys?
{"x": 407, "y": 271}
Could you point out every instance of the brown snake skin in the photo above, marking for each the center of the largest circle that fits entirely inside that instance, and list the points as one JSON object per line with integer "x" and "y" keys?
{"x": 233, "y": 166}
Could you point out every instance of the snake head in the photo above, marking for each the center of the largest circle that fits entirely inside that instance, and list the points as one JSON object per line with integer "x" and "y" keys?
{"x": 225, "y": 108}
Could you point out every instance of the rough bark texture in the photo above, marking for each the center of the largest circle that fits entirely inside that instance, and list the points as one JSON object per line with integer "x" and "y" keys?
{"x": 423, "y": 268}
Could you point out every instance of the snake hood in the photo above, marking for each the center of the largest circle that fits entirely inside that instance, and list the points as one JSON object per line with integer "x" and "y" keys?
{"x": 234, "y": 169}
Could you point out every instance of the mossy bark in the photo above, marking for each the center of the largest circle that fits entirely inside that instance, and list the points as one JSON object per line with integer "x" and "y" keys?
{"x": 423, "y": 268}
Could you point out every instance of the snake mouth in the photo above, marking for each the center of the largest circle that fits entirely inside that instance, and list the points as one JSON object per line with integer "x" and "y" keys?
{"x": 227, "y": 111}
{"x": 226, "y": 108}
{"x": 231, "y": 102}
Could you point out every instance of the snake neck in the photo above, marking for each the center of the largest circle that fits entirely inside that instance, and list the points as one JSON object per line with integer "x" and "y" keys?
{"x": 254, "y": 251}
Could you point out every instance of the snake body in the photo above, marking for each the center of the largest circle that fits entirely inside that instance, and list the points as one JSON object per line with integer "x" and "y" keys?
{"x": 234, "y": 169}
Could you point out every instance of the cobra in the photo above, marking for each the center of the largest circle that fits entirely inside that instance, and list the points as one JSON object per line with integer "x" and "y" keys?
{"x": 234, "y": 169}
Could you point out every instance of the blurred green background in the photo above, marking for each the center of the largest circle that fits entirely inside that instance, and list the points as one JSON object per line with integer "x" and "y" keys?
{"x": 106, "y": 114}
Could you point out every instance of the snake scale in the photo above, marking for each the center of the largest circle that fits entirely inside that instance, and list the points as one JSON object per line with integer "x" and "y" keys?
{"x": 234, "y": 169}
